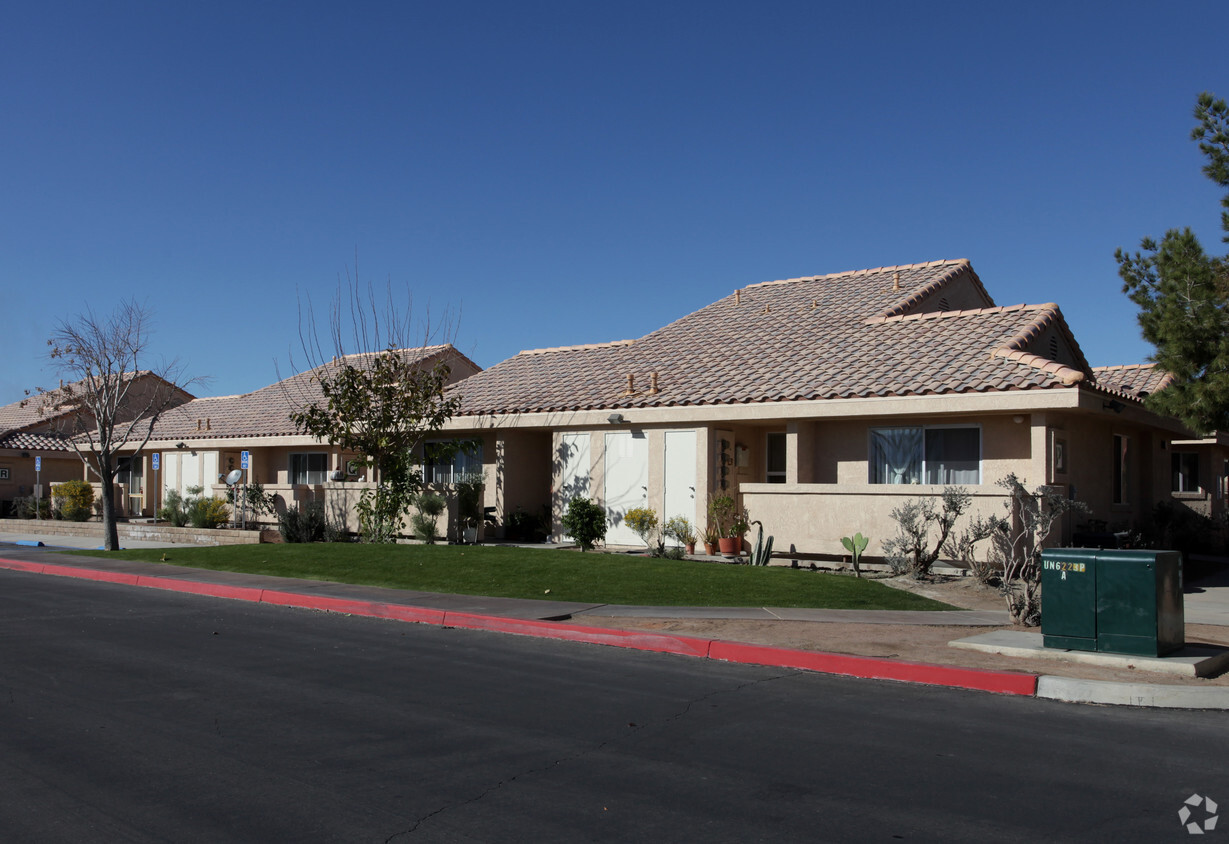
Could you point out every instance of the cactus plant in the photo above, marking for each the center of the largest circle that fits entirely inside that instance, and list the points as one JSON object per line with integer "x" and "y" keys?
{"x": 761, "y": 552}
{"x": 855, "y": 546}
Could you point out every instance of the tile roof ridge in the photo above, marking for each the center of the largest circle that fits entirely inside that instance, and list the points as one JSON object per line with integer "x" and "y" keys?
{"x": 956, "y": 262}
{"x": 583, "y": 347}
{"x": 915, "y": 297}
{"x": 1013, "y": 349}
{"x": 963, "y": 312}
{"x": 1121, "y": 366}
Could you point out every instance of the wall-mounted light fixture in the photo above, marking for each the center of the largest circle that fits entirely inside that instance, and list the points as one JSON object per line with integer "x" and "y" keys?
{"x": 1113, "y": 405}
{"x": 615, "y": 419}
{"x": 181, "y": 445}
{"x": 1018, "y": 418}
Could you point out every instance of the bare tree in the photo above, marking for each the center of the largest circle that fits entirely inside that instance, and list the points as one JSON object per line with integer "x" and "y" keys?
{"x": 381, "y": 394}
{"x": 108, "y": 401}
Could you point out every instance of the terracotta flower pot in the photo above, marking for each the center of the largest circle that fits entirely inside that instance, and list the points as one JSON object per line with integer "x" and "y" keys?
{"x": 730, "y": 545}
{"x": 689, "y": 548}
{"x": 710, "y": 548}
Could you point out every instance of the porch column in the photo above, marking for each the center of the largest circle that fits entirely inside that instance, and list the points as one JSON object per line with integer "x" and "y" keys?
{"x": 1040, "y": 459}
{"x": 800, "y": 453}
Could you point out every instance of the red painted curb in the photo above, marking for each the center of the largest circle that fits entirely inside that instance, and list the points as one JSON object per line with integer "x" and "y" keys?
{"x": 659, "y": 642}
{"x": 196, "y": 587}
{"x": 878, "y": 669}
{"x": 371, "y": 609}
{"x": 92, "y": 574}
{"x": 19, "y": 565}
{"x": 827, "y": 663}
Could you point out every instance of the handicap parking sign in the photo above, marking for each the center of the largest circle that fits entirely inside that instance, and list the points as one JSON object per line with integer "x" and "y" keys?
{"x": 244, "y": 459}
{"x": 157, "y": 457}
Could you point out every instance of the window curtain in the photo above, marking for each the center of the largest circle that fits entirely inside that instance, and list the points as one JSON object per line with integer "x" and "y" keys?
{"x": 896, "y": 455}
{"x": 952, "y": 455}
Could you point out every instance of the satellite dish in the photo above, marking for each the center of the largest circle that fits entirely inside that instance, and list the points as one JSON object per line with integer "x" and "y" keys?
{"x": 234, "y": 476}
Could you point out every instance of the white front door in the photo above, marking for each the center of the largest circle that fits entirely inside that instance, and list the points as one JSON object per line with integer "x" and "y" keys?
{"x": 680, "y": 493}
{"x": 627, "y": 483}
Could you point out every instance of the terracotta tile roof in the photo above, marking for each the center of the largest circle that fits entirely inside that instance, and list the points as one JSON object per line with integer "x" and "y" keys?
{"x": 918, "y": 329}
{"x": 14, "y": 416}
{"x": 1135, "y": 381}
{"x": 266, "y": 412}
{"x": 34, "y": 441}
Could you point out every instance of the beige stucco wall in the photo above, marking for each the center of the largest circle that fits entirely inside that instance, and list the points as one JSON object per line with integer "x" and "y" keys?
{"x": 56, "y": 469}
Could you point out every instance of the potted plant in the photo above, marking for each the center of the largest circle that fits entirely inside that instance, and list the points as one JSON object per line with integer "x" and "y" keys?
{"x": 710, "y": 540}
{"x": 730, "y": 522}
{"x": 679, "y": 529}
{"x": 469, "y": 506}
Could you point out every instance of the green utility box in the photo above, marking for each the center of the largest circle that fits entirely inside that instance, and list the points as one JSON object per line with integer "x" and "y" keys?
{"x": 1113, "y": 601}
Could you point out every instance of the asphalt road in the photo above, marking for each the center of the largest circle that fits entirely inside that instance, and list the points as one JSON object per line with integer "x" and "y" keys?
{"x": 130, "y": 714}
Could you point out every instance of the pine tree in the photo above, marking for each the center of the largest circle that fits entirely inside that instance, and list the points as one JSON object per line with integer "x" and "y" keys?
{"x": 1183, "y": 296}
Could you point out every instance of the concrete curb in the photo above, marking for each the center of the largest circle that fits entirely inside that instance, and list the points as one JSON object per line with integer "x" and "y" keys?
{"x": 999, "y": 682}
{"x": 1151, "y": 695}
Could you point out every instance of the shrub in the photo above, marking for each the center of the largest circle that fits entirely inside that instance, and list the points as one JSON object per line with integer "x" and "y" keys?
{"x": 644, "y": 522}
{"x": 258, "y": 502}
{"x": 680, "y": 529}
{"x": 208, "y": 512}
{"x": 74, "y": 500}
{"x": 469, "y": 500}
{"x": 910, "y": 549}
{"x": 29, "y": 507}
{"x": 585, "y": 522}
{"x": 430, "y": 505}
{"x": 306, "y": 523}
{"x": 1019, "y": 541}
{"x": 173, "y": 509}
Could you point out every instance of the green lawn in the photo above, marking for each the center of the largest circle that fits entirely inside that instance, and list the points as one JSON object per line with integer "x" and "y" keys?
{"x": 560, "y": 575}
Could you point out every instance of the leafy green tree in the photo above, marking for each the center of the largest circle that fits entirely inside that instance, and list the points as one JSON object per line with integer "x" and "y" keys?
{"x": 1183, "y": 296}
{"x": 382, "y": 401}
{"x": 383, "y": 406}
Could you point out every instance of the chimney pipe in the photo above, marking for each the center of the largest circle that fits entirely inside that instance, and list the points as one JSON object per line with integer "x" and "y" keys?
{"x": 896, "y": 280}
{"x": 653, "y": 390}
{"x": 738, "y": 297}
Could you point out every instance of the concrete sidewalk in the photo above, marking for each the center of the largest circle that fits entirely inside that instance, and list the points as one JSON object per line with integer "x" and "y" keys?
{"x": 1207, "y": 603}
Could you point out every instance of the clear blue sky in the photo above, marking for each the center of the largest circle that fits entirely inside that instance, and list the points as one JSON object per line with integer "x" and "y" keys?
{"x": 578, "y": 172}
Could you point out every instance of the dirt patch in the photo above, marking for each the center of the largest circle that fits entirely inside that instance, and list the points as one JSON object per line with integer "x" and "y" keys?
{"x": 914, "y": 643}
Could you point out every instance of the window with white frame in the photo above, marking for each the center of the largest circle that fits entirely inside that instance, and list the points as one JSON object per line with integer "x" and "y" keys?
{"x": 775, "y": 459}
{"x": 449, "y": 461}
{"x": 925, "y": 455}
{"x": 1185, "y": 471}
{"x": 309, "y": 468}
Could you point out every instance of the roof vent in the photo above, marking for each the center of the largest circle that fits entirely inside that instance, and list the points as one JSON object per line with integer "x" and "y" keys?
{"x": 198, "y": 424}
{"x": 1054, "y": 347}
{"x": 738, "y": 297}
{"x": 653, "y": 390}
{"x": 768, "y": 309}
{"x": 944, "y": 305}
{"x": 207, "y": 427}
{"x": 631, "y": 385}
{"x": 896, "y": 280}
